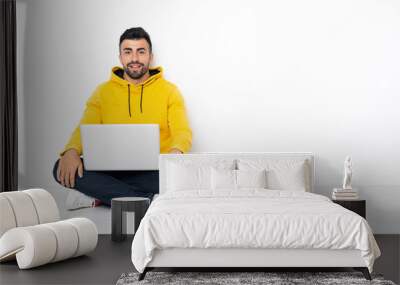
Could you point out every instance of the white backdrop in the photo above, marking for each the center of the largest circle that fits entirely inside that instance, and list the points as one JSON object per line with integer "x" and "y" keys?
{"x": 270, "y": 76}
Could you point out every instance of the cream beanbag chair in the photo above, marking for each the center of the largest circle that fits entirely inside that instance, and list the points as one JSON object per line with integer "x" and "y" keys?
{"x": 31, "y": 232}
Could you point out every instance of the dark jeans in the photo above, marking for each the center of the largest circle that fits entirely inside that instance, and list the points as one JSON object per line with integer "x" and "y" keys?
{"x": 105, "y": 185}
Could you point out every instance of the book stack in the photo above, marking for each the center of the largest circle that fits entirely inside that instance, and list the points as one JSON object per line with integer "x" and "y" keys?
{"x": 344, "y": 194}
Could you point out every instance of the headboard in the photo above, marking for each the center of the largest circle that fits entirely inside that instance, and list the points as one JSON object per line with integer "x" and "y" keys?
{"x": 164, "y": 158}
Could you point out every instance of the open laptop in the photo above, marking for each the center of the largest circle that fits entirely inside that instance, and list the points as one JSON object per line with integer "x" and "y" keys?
{"x": 120, "y": 146}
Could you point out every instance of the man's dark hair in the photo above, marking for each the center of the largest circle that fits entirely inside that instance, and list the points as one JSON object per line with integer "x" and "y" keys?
{"x": 135, "y": 34}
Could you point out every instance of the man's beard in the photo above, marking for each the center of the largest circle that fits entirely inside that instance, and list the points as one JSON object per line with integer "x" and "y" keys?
{"x": 137, "y": 74}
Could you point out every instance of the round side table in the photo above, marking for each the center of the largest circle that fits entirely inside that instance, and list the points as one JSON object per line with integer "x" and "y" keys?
{"x": 119, "y": 207}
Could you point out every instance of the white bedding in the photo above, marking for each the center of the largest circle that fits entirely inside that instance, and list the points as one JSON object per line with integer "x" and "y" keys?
{"x": 250, "y": 218}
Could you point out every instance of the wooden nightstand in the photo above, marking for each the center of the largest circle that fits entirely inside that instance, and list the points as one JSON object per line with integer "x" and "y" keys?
{"x": 357, "y": 206}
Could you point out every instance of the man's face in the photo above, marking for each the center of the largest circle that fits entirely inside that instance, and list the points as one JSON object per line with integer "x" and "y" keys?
{"x": 135, "y": 57}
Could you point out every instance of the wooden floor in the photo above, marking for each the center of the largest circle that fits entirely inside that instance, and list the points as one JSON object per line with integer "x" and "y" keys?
{"x": 110, "y": 260}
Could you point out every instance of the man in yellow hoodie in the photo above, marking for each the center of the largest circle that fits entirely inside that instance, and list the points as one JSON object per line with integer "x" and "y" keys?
{"x": 135, "y": 94}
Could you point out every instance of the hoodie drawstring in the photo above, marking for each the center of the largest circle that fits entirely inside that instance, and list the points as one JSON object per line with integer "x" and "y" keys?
{"x": 129, "y": 100}
{"x": 141, "y": 99}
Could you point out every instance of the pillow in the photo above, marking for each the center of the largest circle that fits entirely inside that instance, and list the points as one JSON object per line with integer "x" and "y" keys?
{"x": 189, "y": 177}
{"x": 237, "y": 179}
{"x": 251, "y": 178}
{"x": 186, "y": 174}
{"x": 223, "y": 179}
{"x": 282, "y": 174}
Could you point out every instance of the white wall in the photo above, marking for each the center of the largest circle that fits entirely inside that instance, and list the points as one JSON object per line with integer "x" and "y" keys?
{"x": 319, "y": 76}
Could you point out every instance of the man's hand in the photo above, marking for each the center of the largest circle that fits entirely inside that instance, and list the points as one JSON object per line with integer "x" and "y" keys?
{"x": 175, "y": 151}
{"x": 69, "y": 163}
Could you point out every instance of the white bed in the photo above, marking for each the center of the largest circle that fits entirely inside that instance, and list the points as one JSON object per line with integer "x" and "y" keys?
{"x": 194, "y": 224}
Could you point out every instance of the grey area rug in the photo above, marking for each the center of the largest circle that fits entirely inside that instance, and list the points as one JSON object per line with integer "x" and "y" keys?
{"x": 269, "y": 278}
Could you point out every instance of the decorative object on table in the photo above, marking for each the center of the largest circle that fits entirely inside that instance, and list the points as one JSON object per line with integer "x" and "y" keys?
{"x": 119, "y": 207}
{"x": 357, "y": 206}
{"x": 31, "y": 231}
{"x": 244, "y": 278}
{"x": 348, "y": 173}
{"x": 346, "y": 192}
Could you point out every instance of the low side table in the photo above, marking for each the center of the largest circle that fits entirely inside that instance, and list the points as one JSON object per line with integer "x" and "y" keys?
{"x": 119, "y": 207}
{"x": 357, "y": 206}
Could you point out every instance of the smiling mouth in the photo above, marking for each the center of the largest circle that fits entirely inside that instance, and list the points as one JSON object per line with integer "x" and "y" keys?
{"x": 135, "y": 65}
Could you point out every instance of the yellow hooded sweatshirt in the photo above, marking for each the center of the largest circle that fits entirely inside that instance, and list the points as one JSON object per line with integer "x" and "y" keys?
{"x": 155, "y": 101}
